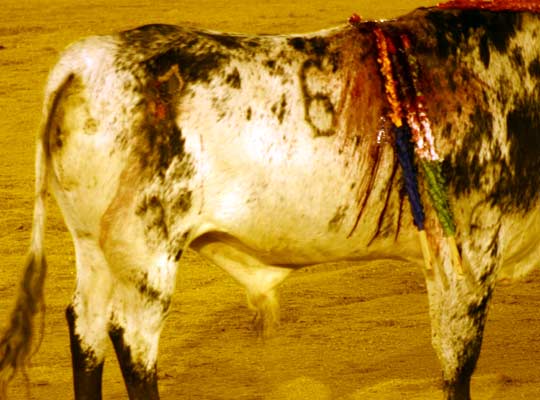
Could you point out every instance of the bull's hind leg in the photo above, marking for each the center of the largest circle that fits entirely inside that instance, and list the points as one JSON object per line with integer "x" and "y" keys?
{"x": 138, "y": 370}
{"x": 259, "y": 279}
{"x": 141, "y": 301}
{"x": 88, "y": 317}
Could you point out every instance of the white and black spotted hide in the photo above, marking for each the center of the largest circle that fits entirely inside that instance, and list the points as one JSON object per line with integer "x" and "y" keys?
{"x": 268, "y": 153}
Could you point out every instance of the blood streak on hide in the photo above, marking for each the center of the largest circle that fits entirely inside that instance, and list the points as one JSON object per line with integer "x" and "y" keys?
{"x": 493, "y": 5}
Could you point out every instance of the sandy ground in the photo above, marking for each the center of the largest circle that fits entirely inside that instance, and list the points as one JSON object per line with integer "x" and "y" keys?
{"x": 348, "y": 331}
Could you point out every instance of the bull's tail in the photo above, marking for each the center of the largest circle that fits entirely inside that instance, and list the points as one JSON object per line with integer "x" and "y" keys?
{"x": 16, "y": 340}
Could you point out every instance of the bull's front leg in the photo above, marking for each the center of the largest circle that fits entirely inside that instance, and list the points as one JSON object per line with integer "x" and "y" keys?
{"x": 458, "y": 316}
{"x": 458, "y": 307}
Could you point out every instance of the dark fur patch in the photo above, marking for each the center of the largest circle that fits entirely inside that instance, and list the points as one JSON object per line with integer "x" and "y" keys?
{"x": 447, "y": 131}
{"x": 68, "y": 95}
{"x": 195, "y": 66}
{"x": 279, "y": 109}
{"x": 176, "y": 245}
{"x": 275, "y": 68}
{"x": 463, "y": 168}
{"x": 517, "y": 58}
{"x": 225, "y": 40}
{"x": 515, "y": 186}
{"x": 453, "y": 28}
{"x": 161, "y": 139}
{"x": 159, "y": 47}
{"x": 151, "y": 210}
{"x": 271, "y": 64}
{"x": 140, "y": 382}
{"x": 502, "y": 93}
{"x": 178, "y": 255}
{"x": 485, "y": 54}
{"x": 520, "y": 186}
{"x": 233, "y": 79}
{"x": 488, "y": 272}
{"x": 314, "y": 46}
{"x": 145, "y": 36}
{"x": 477, "y": 311}
{"x": 534, "y": 68}
{"x": 298, "y": 43}
{"x": 183, "y": 202}
{"x": 152, "y": 294}
{"x": 87, "y": 372}
{"x": 248, "y": 113}
{"x": 252, "y": 42}
{"x": 337, "y": 220}
{"x": 166, "y": 141}
{"x": 492, "y": 255}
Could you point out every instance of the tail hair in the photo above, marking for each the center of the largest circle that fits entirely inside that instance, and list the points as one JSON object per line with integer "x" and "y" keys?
{"x": 17, "y": 339}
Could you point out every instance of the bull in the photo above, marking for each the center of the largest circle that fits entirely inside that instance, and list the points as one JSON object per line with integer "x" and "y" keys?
{"x": 268, "y": 153}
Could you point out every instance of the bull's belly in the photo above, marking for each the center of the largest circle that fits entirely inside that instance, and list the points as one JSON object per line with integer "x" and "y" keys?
{"x": 296, "y": 222}
{"x": 302, "y": 201}
{"x": 306, "y": 246}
